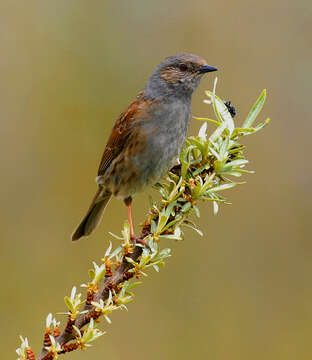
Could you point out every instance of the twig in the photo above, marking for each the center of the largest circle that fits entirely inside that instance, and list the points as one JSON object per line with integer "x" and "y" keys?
{"x": 205, "y": 165}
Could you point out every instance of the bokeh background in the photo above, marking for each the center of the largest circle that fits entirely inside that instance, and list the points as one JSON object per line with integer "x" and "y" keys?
{"x": 67, "y": 69}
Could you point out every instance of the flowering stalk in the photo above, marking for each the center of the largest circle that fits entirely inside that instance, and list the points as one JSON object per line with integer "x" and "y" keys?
{"x": 206, "y": 168}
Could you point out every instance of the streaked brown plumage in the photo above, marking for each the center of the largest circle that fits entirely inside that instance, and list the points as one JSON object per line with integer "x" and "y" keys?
{"x": 147, "y": 138}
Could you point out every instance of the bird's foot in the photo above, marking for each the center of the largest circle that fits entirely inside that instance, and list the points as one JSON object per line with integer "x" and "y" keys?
{"x": 139, "y": 240}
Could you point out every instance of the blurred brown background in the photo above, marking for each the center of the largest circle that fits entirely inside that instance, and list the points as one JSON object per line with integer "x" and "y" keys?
{"x": 67, "y": 69}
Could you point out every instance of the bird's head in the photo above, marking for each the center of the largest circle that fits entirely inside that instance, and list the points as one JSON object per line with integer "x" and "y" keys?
{"x": 178, "y": 75}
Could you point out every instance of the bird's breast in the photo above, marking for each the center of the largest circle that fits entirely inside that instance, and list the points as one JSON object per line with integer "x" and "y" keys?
{"x": 165, "y": 135}
{"x": 151, "y": 150}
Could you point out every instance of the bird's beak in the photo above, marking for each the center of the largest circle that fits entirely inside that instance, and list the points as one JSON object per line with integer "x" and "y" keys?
{"x": 207, "y": 68}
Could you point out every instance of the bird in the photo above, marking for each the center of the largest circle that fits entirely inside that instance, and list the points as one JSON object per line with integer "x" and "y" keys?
{"x": 147, "y": 137}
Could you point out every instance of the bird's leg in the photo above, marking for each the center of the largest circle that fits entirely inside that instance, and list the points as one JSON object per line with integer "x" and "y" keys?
{"x": 128, "y": 202}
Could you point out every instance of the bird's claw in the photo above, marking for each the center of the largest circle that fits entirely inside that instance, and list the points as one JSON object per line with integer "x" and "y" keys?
{"x": 139, "y": 240}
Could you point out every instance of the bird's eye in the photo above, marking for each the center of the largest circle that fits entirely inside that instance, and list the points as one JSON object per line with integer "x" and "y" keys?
{"x": 183, "y": 67}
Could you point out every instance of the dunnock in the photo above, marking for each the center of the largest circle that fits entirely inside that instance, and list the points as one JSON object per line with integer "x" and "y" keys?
{"x": 147, "y": 138}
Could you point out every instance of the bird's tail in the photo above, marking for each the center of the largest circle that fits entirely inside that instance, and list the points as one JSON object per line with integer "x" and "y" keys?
{"x": 94, "y": 214}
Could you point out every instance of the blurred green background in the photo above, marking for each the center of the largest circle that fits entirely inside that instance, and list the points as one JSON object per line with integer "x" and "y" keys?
{"x": 67, "y": 69}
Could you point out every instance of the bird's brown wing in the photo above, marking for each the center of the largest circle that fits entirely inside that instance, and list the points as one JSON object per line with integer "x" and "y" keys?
{"x": 135, "y": 112}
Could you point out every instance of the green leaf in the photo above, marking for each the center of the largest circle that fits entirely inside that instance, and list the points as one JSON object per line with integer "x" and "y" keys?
{"x": 199, "y": 143}
{"x": 165, "y": 253}
{"x": 193, "y": 228}
{"x": 91, "y": 274}
{"x": 115, "y": 236}
{"x": 221, "y": 187}
{"x": 201, "y": 169}
{"x": 77, "y": 330}
{"x": 215, "y": 208}
{"x": 173, "y": 177}
{"x": 236, "y": 149}
{"x": 217, "y": 133}
{"x": 171, "y": 223}
{"x": 153, "y": 226}
{"x": 260, "y": 126}
{"x": 185, "y": 159}
{"x": 243, "y": 171}
{"x": 170, "y": 237}
{"x": 224, "y": 148}
{"x": 186, "y": 207}
{"x": 208, "y": 182}
{"x": 169, "y": 208}
{"x": 232, "y": 166}
{"x": 162, "y": 220}
{"x": 240, "y": 131}
{"x": 221, "y": 109}
{"x": 115, "y": 252}
{"x": 176, "y": 190}
{"x": 255, "y": 110}
{"x": 69, "y": 303}
{"x": 133, "y": 285}
{"x": 237, "y": 162}
{"x": 197, "y": 212}
{"x": 202, "y": 133}
{"x": 232, "y": 173}
{"x": 214, "y": 122}
{"x": 131, "y": 261}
